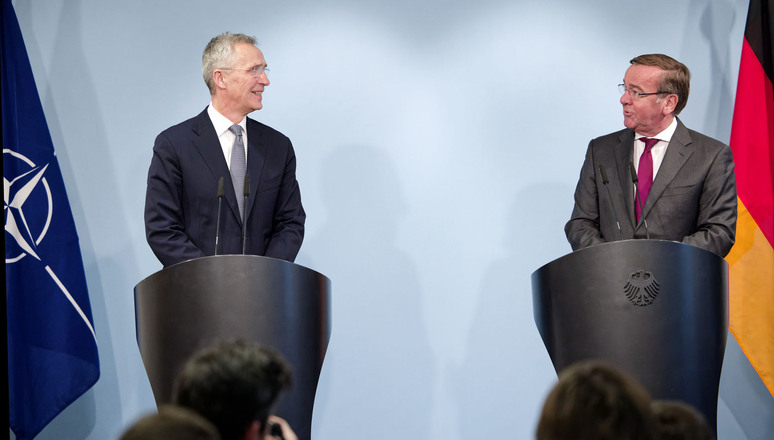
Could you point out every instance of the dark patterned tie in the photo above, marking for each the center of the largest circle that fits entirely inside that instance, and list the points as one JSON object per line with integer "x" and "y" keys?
{"x": 238, "y": 168}
{"x": 644, "y": 174}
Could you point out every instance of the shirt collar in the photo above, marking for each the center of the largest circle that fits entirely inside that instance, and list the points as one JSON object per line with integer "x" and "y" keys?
{"x": 665, "y": 135}
{"x": 222, "y": 123}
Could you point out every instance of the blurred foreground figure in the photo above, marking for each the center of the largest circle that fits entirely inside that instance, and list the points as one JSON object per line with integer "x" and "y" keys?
{"x": 172, "y": 423}
{"x": 594, "y": 401}
{"x": 235, "y": 385}
{"x": 679, "y": 421}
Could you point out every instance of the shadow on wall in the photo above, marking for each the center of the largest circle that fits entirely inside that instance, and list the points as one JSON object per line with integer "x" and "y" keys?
{"x": 377, "y": 376}
{"x": 716, "y": 23}
{"x": 495, "y": 400}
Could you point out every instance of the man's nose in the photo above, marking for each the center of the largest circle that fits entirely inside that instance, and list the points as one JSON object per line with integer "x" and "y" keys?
{"x": 626, "y": 98}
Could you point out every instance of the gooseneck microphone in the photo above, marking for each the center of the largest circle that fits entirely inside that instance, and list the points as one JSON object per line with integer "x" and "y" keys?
{"x": 244, "y": 215}
{"x": 635, "y": 181}
{"x": 603, "y": 174}
{"x": 220, "y": 203}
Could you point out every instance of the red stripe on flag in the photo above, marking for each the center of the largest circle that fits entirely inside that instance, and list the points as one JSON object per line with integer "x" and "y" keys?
{"x": 752, "y": 137}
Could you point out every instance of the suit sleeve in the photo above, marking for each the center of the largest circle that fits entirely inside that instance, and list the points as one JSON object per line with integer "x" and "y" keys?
{"x": 164, "y": 222}
{"x": 716, "y": 223}
{"x": 289, "y": 216}
{"x": 583, "y": 228}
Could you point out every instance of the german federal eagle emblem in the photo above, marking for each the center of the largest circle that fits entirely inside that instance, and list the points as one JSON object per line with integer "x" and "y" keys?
{"x": 642, "y": 288}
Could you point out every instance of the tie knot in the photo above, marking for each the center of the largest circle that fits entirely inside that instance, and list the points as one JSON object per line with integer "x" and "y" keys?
{"x": 236, "y": 129}
{"x": 649, "y": 142}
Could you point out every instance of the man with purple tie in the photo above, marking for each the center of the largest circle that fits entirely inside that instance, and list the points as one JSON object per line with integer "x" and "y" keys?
{"x": 656, "y": 178}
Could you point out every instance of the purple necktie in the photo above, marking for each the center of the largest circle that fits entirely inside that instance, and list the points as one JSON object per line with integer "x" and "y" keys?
{"x": 644, "y": 175}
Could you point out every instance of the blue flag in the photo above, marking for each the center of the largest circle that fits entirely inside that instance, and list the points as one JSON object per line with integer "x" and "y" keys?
{"x": 52, "y": 347}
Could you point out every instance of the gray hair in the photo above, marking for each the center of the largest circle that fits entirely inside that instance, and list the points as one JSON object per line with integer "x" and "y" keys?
{"x": 219, "y": 52}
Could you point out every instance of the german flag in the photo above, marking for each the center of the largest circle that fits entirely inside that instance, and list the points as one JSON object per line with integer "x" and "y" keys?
{"x": 751, "y": 261}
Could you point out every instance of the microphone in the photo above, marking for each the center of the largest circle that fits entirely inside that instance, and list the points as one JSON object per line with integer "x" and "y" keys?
{"x": 635, "y": 180}
{"x": 221, "y": 193}
{"x": 244, "y": 216}
{"x": 603, "y": 174}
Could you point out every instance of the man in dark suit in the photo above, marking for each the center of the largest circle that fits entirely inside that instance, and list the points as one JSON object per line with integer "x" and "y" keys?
{"x": 221, "y": 144}
{"x": 685, "y": 180}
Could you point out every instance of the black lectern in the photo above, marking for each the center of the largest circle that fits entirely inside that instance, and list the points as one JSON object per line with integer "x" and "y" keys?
{"x": 656, "y": 309}
{"x": 185, "y": 307}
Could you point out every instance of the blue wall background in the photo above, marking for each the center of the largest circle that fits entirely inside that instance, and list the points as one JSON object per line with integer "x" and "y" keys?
{"x": 438, "y": 143}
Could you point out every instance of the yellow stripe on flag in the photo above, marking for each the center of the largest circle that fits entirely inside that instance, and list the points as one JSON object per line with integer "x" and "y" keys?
{"x": 751, "y": 295}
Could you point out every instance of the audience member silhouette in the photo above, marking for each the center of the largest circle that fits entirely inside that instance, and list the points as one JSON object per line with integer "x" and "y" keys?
{"x": 235, "y": 385}
{"x": 595, "y": 401}
{"x": 172, "y": 423}
{"x": 677, "y": 420}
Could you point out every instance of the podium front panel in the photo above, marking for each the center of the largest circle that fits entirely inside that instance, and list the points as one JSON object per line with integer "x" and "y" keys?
{"x": 656, "y": 309}
{"x": 190, "y": 305}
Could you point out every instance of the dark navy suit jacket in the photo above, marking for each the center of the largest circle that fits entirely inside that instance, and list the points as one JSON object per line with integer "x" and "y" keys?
{"x": 181, "y": 203}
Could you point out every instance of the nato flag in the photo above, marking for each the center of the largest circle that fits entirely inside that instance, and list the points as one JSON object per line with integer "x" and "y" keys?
{"x": 52, "y": 347}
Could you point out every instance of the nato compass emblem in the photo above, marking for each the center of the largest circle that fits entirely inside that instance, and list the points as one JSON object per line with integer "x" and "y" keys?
{"x": 29, "y": 207}
{"x": 642, "y": 288}
{"x": 24, "y": 196}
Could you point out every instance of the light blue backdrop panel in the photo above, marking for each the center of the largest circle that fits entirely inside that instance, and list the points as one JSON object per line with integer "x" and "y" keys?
{"x": 438, "y": 144}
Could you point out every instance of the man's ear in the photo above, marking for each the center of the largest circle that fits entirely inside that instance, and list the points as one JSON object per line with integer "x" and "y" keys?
{"x": 671, "y": 104}
{"x": 218, "y": 79}
{"x": 253, "y": 432}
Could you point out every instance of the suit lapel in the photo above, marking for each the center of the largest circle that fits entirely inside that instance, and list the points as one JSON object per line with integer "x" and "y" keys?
{"x": 623, "y": 156}
{"x": 678, "y": 152}
{"x": 256, "y": 158}
{"x": 208, "y": 145}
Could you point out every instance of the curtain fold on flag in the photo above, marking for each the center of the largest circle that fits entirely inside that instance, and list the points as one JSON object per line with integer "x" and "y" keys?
{"x": 52, "y": 346}
{"x": 751, "y": 261}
